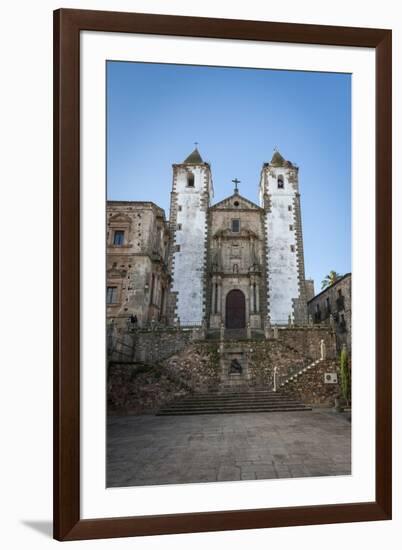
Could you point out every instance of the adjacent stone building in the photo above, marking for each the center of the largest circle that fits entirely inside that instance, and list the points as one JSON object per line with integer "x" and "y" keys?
{"x": 333, "y": 305}
{"x": 234, "y": 264}
{"x": 137, "y": 253}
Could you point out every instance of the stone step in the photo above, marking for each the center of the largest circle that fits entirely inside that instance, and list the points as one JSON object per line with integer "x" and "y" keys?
{"x": 240, "y": 395}
{"x": 212, "y": 410}
{"x": 186, "y": 402}
{"x": 237, "y": 395}
{"x": 233, "y": 403}
{"x": 238, "y": 392}
{"x": 230, "y": 401}
{"x": 214, "y": 403}
{"x": 169, "y": 412}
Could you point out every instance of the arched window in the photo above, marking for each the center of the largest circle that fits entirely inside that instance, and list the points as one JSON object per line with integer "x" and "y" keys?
{"x": 280, "y": 182}
{"x": 190, "y": 179}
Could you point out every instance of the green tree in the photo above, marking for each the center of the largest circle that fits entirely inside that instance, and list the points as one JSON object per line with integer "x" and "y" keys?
{"x": 346, "y": 382}
{"x": 330, "y": 279}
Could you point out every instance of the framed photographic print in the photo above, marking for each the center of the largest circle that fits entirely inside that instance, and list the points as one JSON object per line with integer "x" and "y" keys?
{"x": 222, "y": 203}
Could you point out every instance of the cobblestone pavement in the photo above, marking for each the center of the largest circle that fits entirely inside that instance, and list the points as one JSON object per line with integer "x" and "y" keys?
{"x": 155, "y": 450}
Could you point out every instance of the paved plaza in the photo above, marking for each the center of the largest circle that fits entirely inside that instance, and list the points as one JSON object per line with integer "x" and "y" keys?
{"x": 154, "y": 450}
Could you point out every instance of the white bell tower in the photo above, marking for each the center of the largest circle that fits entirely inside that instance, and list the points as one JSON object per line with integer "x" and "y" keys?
{"x": 192, "y": 191}
{"x": 280, "y": 198}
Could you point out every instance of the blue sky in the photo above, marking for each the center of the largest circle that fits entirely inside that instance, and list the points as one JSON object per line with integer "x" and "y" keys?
{"x": 156, "y": 112}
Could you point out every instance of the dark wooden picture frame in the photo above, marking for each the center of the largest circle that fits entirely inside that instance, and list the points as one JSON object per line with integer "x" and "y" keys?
{"x": 67, "y": 26}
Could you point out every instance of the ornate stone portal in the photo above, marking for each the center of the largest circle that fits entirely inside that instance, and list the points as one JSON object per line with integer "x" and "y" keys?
{"x": 235, "y": 289}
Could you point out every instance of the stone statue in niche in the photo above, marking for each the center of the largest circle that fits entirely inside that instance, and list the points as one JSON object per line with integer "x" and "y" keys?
{"x": 235, "y": 367}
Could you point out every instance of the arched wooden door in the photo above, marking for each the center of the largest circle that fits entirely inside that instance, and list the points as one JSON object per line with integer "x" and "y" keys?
{"x": 235, "y": 309}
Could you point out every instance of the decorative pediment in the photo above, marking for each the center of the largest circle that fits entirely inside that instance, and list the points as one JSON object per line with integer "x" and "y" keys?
{"x": 235, "y": 202}
{"x": 114, "y": 273}
{"x": 119, "y": 217}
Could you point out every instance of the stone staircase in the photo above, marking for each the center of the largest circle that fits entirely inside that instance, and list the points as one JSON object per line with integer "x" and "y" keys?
{"x": 232, "y": 402}
{"x": 299, "y": 372}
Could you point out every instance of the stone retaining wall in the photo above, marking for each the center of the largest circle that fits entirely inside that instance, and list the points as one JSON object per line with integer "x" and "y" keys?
{"x": 197, "y": 366}
{"x": 307, "y": 340}
{"x": 146, "y": 346}
{"x": 149, "y": 346}
{"x": 140, "y": 389}
{"x": 258, "y": 359}
{"x": 174, "y": 363}
{"x": 153, "y": 346}
{"x": 310, "y": 387}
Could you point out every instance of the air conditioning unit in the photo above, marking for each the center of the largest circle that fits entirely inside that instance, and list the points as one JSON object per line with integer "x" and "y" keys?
{"x": 330, "y": 378}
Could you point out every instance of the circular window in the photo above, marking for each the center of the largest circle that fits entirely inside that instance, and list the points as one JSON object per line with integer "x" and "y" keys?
{"x": 236, "y": 203}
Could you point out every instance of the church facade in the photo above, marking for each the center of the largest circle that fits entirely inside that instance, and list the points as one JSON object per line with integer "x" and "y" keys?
{"x": 236, "y": 263}
{"x": 233, "y": 264}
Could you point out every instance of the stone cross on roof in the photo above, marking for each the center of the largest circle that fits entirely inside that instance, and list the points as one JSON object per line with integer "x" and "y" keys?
{"x": 236, "y": 182}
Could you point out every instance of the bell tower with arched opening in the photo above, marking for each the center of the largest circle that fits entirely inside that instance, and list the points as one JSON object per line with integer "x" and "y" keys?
{"x": 191, "y": 194}
{"x": 280, "y": 198}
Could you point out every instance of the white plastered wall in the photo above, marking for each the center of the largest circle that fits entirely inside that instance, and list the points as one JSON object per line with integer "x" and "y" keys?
{"x": 282, "y": 272}
{"x": 189, "y": 260}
